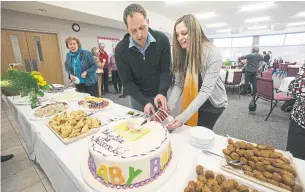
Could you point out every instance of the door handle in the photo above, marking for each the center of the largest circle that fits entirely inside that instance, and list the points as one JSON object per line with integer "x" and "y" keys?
{"x": 34, "y": 64}
{"x": 27, "y": 65}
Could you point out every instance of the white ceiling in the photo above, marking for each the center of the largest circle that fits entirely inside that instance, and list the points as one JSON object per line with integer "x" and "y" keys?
{"x": 60, "y": 13}
{"x": 228, "y": 12}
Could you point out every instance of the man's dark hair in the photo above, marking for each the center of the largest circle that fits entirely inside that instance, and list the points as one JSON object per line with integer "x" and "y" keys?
{"x": 264, "y": 52}
{"x": 131, "y": 9}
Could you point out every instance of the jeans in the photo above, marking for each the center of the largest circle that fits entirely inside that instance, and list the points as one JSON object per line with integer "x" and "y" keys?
{"x": 105, "y": 80}
{"x": 116, "y": 81}
{"x": 250, "y": 77}
{"x": 137, "y": 106}
{"x": 92, "y": 90}
{"x": 296, "y": 140}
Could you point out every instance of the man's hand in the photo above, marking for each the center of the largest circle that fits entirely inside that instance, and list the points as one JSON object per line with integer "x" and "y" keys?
{"x": 84, "y": 74}
{"x": 161, "y": 99}
{"x": 149, "y": 109}
{"x": 72, "y": 77}
{"x": 174, "y": 124}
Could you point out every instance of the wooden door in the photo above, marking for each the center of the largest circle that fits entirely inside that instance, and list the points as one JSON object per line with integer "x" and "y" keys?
{"x": 14, "y": 49}
{"x": 44, "y": 53}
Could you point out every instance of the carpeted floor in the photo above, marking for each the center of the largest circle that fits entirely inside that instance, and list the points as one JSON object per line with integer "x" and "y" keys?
{"x": 237, "y": 122}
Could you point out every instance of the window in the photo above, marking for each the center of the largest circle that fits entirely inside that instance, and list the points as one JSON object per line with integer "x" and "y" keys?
{"x": 242, "y": 42}
{"x": 225, "y": 42}
{"x": 295, "y": 39}
{"x": 16, "y": 48}
{"x": 38, "y": 49}
{"x": 271, "y": 40}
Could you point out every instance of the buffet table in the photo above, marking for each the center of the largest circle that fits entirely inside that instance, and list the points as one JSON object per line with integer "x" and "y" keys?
{"x": 61, "y": 162}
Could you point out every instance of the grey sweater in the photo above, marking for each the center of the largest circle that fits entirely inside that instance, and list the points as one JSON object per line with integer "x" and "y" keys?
{"x": 253, "y": 62}
{"x": 212, "y": 87}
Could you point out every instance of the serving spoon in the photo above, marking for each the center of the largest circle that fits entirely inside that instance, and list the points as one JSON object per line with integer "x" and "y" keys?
{"x": 234, "y": 163}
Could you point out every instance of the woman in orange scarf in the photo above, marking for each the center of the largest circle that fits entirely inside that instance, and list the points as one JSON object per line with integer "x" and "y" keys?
{"x": 196, "y": 65}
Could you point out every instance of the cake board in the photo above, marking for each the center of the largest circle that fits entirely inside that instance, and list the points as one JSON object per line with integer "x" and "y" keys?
{"x": 151, "y": 187}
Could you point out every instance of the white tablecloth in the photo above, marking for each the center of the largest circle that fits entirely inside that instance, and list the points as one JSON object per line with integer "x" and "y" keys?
{"x": 285, "y": 84}
{"x": 223, "y": 74}
{"x": 61, "y": 162}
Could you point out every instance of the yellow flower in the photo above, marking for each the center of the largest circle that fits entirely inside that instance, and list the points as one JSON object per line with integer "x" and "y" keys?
{"x": 36, "y": 73}
{"x": 42, "y": 83}
{"x": 39, "y": 78}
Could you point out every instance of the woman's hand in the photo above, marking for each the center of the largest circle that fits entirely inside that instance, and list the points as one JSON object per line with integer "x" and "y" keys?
{"x": 84, "y": 74}
{"x": 160, "y": 99}
{"x": 72, "y": 77}
{"x": 176, "y": 123}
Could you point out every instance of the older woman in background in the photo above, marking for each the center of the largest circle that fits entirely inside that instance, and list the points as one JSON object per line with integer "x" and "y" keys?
{"x": 96, "y": 53}
{"x": 81, "y": 67}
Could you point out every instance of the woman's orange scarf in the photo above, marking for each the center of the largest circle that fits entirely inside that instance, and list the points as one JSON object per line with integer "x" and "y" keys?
{"x": 190, "y": 91}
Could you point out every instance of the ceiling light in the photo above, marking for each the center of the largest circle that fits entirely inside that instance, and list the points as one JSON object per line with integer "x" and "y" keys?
{"x": 296, "y": 24}
{"x": 258, "y": 27}
{"x": 300, "y": 14}
{"x": 257, "y": 6}
{"x": 215, "y": 25}
{"x": 206, "y": 15}
{"x": 257, "y": 19}
{"x": 224, "y": 31}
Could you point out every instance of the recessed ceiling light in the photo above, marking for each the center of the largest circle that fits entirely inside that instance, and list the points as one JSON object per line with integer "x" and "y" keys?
{"x": 258, "y": 27}
{"x": 296, "y": 24}
{"x": 223, "y": 31}
{"x": 206, "y": 15}
{"x": 257, "y": 19}
{"x": 257, "y": 6}
{"x": 300, "y": 14}
{"x": 215, "y": 25}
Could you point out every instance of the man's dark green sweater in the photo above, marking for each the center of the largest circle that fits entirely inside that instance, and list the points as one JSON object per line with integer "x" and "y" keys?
{"x": 145, "y": 77}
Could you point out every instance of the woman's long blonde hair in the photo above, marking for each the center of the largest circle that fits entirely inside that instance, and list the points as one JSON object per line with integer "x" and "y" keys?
{"x": 196, "y": 40}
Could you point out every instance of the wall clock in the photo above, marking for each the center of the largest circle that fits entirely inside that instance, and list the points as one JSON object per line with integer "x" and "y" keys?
{"x": 75, "y": 27}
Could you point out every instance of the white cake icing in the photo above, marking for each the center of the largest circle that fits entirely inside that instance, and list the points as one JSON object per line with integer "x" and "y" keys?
{"x": 113, "y": 153}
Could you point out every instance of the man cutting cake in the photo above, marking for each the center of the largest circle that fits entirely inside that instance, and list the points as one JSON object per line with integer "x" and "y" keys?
{"x": 143, "y": 59}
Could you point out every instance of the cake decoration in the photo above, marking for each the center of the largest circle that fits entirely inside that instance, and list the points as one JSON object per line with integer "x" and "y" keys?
{"x": 102, "y": 172}
{"x": 155, "y": 166}
{"x": 132, "y": 174}
{"x": 164, "y": 159}
{"x": 116, "y": 176}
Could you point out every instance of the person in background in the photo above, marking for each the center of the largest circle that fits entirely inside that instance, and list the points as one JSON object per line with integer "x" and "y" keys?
{"x": 196, "y": 65}
{"x": 253, "y": 63}
{"x": 270, "y": 60}
{"x": 115, "y": 74}
{"x": 266, "y": 57}
{"x": 143, "y": 59}
{"x": 296, "y": 133}
{"x": 81, "y": 64}
{"x": 104, "y": 59}
{"x": 99, "y": 71}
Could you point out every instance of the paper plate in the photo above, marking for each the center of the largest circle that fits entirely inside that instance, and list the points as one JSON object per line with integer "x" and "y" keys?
{"x": 76, "y": 81}
{"x": 200, "y": 146}
{"x": 202, "y": 133}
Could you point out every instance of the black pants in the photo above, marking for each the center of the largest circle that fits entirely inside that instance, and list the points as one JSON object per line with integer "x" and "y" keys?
{"x": 296, "y": 140}
{"x": 250, "y": 77}
{"x": 92, "y": 90}
{"x": 116, "y": 81}
{"x": 105, "y": 80}
{"x": 208, "y": 115}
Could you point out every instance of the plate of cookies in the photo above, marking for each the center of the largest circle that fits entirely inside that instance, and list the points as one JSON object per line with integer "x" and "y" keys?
{"x": 204, "y": 180}
{"x": 262, "y": 164}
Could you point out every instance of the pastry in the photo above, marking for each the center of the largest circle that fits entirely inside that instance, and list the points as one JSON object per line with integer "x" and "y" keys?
{"x": 209, "y": 174}
{"x": 199, "y": 170}
{"x": 220, "y": 179}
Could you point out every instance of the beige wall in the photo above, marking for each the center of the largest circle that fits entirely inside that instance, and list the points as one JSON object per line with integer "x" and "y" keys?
{"x": 87, "y": 35}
